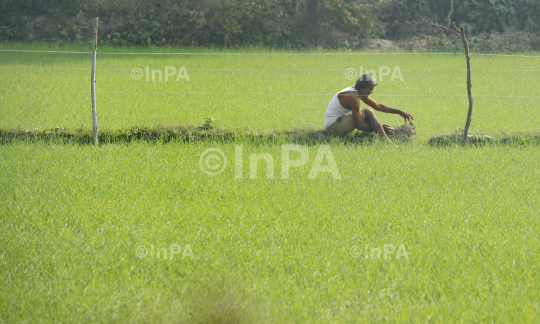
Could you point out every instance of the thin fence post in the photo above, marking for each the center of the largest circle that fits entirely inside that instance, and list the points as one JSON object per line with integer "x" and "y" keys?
{"x": 469, "y": 85}
{"x": 93, "y": 87}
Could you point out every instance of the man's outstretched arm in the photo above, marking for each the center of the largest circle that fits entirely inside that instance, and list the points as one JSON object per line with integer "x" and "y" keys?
{"x": 387, "y": 109}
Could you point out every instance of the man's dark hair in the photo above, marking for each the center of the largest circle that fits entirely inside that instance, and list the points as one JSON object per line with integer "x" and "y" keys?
{"x": 365, "y": 81}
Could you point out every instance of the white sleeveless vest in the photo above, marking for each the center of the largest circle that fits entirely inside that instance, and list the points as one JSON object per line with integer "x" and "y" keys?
{"x": 335, "y": 110}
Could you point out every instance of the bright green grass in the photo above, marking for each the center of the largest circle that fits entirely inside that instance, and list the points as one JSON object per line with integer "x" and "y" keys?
{"x": 72, "y": 218}
{"x": 438, "y": 112}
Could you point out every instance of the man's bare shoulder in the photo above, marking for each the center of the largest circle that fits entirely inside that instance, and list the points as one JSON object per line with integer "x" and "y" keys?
{"x": 348, "y": 94}
{"x": 348, "y": 99}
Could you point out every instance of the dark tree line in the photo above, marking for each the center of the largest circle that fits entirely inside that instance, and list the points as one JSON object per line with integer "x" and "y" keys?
{"x": 283, "y": 23}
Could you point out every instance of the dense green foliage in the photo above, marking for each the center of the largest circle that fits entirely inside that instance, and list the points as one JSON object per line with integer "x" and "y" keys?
{"x": 206, "y": 22}
{"x": 283, "y": 23}
{"x": 414, "y": 17}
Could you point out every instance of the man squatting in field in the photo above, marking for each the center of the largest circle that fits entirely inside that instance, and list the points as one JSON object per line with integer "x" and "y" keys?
{"x": 344, "y": 115}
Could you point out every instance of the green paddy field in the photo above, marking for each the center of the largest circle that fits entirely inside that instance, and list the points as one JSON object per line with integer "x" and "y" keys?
{"x": 179, "y": 233}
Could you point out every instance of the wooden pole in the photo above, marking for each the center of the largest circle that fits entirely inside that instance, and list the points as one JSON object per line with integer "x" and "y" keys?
{"x": 93, "y": 86}
{"x": 469, "y": 85}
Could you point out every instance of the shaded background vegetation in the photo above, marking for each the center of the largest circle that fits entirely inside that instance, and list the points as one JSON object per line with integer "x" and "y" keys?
{"x": 408, "y": 17}
{"x": 282, "y": 23}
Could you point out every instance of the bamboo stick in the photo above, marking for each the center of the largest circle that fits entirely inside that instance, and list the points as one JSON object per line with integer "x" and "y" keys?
{"x": 469, "y": 85}
{"x": 93, "y": 86}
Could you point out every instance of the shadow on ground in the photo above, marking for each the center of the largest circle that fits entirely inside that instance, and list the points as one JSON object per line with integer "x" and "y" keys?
{"x": 186, "y": 134}
{"x": 192, "y": 134}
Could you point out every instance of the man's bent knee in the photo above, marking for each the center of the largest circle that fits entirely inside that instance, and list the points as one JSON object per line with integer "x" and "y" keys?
{"x": 368, "y": 112}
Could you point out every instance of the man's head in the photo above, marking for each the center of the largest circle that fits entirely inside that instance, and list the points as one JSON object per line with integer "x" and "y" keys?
{"x": 365, "y": 84}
